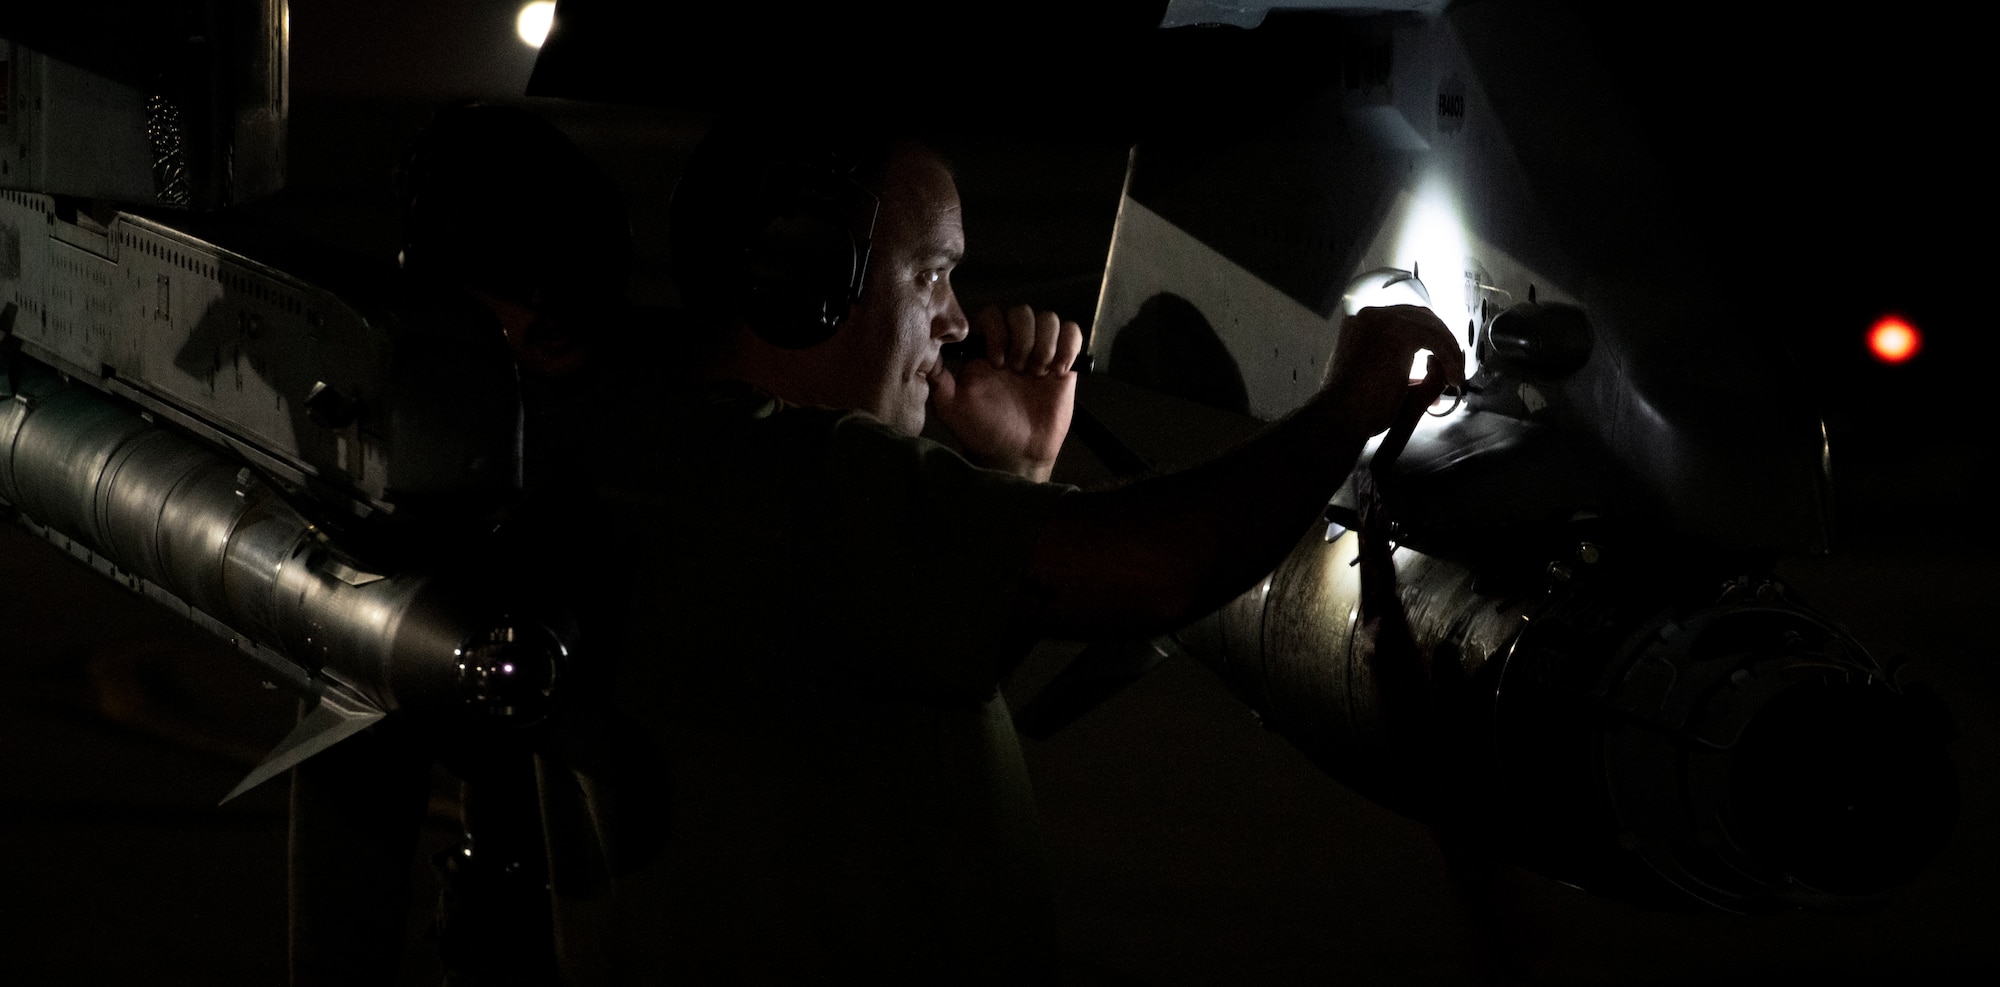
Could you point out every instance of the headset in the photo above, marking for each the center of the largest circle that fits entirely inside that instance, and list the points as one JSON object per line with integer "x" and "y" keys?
{"x": 804, "y": 266}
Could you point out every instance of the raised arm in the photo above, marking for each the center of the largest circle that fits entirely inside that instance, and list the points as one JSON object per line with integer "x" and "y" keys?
{"x": 1149, "y": 557}
{"x": 1010, "y": 409}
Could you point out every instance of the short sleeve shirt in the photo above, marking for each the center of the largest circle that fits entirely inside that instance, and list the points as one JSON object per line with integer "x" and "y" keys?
{"x": 815, "y": 643}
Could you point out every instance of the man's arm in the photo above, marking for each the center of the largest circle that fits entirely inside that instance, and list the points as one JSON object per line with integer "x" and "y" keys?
{"x": 1152, "y": 556}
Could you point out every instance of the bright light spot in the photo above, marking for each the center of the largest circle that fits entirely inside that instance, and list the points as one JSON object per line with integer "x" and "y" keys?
{"x": 1433, "y": 243}
{"x": 533, "y": 23}
{"x": 1893, "y": 340}
{"x": 1420, "y": 366}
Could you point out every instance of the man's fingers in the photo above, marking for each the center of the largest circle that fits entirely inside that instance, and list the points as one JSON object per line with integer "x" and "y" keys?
{"x": 1069, "y": 348}
{"x": 1433, "y": 384}
{"x": 1411, "y": 328}
{"x": 944, "y": 386}
{"x": 1028, "y": 342}
{"x": 1435, "y": 336}
{"x": 990, "y": 326}
{"x": 1048, "y": 337}
{"x": 1447, "y": 359}
{"x": 1020, "y": 337}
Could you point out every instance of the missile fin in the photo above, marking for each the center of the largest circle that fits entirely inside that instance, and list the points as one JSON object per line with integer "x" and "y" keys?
{"x": 338, "y": 716}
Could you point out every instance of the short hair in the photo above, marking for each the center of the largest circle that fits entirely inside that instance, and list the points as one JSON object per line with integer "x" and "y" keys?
{"x": 498, "y": 198}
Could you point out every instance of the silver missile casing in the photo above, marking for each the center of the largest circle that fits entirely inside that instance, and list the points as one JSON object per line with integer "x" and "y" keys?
{"x": 309, "y": 462}
{"x": 199, "y": 532}
{"x": 377, "y": 394}
{"x": 1616, "y": 724}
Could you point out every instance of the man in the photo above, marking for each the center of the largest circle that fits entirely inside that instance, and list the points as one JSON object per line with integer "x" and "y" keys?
{"x": 831, "y": 600}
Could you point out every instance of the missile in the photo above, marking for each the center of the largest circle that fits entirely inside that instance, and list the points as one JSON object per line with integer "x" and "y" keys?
{"x": 313, "y": 475}
{"x": 1600, "y": 713}
{"x": 1598, "y": 697}
{"x": 1548, "y": 625}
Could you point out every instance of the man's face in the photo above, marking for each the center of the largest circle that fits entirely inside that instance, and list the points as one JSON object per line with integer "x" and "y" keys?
{"x": 882, "y": 358}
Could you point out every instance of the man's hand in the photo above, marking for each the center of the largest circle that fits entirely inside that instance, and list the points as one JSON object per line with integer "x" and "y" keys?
{"x": 1011, "y": 409}
{"x": 1144, "y": 558}
{"x": 1368, "y": 380}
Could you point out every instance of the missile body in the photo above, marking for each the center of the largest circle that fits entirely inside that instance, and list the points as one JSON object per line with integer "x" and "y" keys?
{"x": 1620, "y": 723}
{"x": 314, "y": 473}
{"x": 205, "y": 536}
{"x": 1599, "y": 678}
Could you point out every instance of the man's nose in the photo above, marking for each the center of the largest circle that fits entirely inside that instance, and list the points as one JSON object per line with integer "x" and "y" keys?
{"x": 949, "y": 325}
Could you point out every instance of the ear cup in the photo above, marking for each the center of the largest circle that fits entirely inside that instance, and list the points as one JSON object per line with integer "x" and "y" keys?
{"x": 806, "y": 266}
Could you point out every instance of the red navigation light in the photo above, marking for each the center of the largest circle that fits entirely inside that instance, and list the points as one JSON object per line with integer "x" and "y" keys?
{"x": 1894, "y": 340}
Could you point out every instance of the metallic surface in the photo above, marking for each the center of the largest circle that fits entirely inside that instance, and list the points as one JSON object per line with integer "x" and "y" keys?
{"x": 1432, "y": 144}
{"x": 1599, "y": 678}
{"x": 1608, "y": 724}
{"x": 307, "y": 460}
{"x": 368, "y": 393}
{"x": 204, "y": 535}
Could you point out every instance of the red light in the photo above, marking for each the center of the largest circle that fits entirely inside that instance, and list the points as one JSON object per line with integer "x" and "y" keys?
{"x": 1893, "y": 340}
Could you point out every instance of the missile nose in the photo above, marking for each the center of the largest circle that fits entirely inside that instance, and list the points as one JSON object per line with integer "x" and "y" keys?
{"x": 1778, "y": 763}
{"x": 1845, "y": 786}
{"x": 509, "y": 671}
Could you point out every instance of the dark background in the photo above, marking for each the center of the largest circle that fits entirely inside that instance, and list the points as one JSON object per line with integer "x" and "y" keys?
{"x": 1830, "y": 158}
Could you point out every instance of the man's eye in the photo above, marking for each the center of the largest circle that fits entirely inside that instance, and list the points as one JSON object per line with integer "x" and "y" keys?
{"x": 932, "y": 276}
